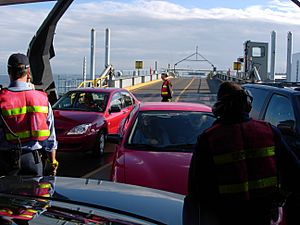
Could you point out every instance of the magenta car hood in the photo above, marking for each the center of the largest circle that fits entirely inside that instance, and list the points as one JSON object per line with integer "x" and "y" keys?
{"x": 160, "y": 170}
{"x": 72, "y": 118}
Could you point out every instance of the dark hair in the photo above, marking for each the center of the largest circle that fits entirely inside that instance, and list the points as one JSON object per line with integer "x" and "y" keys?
{"x": 17, "y": 65}
{"x": 232, "y": 100}
{"x": 17, "y": 72}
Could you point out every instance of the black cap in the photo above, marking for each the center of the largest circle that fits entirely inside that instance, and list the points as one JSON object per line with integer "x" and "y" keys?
{"x": 18, "y": 60}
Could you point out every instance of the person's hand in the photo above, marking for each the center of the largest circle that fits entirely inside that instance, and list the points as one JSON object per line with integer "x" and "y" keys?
{"x": 51, "y": 167}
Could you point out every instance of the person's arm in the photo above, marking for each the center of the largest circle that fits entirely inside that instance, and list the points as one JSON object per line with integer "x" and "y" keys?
{"x": 50, "y": 145}
{"x": 170, "y": 86}
{"x": 288, "y": 163}
{"x": 202, "y": 184}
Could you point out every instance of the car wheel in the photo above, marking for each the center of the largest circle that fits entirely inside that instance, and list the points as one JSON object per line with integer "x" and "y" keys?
{"x": 100, "y": 146}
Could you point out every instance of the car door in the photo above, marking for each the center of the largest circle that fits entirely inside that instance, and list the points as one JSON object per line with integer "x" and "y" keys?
{"x": 114, "y": 116}
{"x": 128, "y": 102}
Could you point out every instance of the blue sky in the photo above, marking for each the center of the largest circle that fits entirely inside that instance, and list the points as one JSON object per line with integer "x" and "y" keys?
{"x": 162, "y": 31}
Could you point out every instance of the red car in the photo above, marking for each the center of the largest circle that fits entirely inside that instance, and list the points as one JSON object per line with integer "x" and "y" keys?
{"x": 155, "y": 144}
{"x": 84, "y": 116}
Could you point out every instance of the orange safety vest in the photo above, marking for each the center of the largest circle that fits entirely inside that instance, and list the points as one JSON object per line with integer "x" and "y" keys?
{"x": 165, "y": 92}
{"x": 245, "y": 163}
{"x": 26, "y": 113}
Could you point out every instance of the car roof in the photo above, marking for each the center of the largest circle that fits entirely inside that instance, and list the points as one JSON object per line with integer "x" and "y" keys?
{"x": 96, "y": 89}
{"x": 181, "y": 106}
{"x": 284, "y": 87}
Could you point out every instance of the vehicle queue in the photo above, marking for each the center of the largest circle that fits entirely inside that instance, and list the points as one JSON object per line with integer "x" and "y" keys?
{"x": 135, "y": 151}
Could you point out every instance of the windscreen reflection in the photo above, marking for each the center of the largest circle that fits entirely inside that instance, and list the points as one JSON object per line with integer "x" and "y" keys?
{"x": 168, "y": 131}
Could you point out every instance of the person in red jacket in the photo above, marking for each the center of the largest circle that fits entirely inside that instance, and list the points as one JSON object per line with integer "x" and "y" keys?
{"x": 26, "y": 124}
{"x": 240, "y": 167}
{"x": 166, "y": 88}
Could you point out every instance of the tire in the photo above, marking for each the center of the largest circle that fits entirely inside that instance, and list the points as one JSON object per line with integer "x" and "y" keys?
{"x": 100, "y": 146}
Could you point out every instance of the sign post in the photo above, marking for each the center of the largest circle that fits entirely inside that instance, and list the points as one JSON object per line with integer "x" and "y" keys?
{"x": 139, "y": 65}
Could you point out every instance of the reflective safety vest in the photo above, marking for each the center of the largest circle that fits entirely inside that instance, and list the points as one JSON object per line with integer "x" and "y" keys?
{"x": 165, "y": 92}
{"x": 244, "y": 157}
{"x": 26, "y": 113}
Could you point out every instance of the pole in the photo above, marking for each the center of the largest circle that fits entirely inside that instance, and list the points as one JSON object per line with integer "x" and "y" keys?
{"x": 93, "y": 47}
{"x": 273, "y": 54}
{"x": 107, "y": 47}
{"x": 84, "y": 70}
{"x": 289, "y": 57}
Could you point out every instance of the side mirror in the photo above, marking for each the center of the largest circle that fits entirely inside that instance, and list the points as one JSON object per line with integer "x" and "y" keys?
{"x": 114, "y": 138}
{"x": 287, "y": 127}
{"x": 115, "y": 108}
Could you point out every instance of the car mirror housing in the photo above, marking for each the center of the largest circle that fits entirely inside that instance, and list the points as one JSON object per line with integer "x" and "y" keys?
{"x": 114, "y": 138}
{"x": 115, "y": 108}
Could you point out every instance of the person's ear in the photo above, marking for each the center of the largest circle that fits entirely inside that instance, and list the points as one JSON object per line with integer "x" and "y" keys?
{"x": 28, "y": 74}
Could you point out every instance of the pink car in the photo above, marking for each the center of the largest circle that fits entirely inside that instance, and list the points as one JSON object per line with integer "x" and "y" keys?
{"x": 84, "y": 116}
{"x": 155, "y": 144}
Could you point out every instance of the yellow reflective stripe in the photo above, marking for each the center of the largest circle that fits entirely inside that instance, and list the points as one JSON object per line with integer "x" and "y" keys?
{"x": 27, "y": 134}
{"x": 44, "y": 185}
{"x": 45, "y": 195}
{"x": 31, "y": 210}
{"x": 25, "y": 109}
{"x": 248, "y": 185}
{"x": 242, "y": 155}
{"x": 26, "y": 216}
{"x": 8, "y": 211}
{"x": 164, "y": 92}
{"x": 164, "y": 86}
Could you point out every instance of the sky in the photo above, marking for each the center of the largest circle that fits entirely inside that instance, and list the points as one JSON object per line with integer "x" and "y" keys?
{"x": 153, "y": 31}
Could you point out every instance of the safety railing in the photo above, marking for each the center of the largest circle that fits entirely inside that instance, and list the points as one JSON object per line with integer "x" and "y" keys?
{"x": 101, "y": 81}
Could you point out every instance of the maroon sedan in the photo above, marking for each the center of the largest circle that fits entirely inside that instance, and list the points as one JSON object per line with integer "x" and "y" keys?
{"x": 84, "y": 116}
{"x": 155, "y": 144}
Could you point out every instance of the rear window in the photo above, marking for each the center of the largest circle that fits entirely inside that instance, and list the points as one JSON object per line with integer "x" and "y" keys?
{"x": 168, "y": 130}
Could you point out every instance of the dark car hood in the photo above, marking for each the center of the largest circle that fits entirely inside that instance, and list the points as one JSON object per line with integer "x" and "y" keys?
{"x": 86, "y": 200}
{"x": 67, "y": 118}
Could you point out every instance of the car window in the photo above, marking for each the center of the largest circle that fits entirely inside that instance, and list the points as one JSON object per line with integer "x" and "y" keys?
{"x": 124, "y": 123}
{"x": 117, "y": 100}
{"x": 128, "y": 100}
{"x": 82, "y": 101}
{"x": 280, "y": 111}
{"x": 259, "y": 96}
{"x": 168, "y": 130}
{"x": 66, "y": 101}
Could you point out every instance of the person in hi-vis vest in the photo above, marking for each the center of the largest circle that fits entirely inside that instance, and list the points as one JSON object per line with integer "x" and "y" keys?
{"x": 242, "y": 170}
{"x": 166, "y": 88}
{"x": 26, "y": 124}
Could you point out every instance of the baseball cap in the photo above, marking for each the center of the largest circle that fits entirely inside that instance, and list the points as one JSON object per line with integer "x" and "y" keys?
{"x": 18, "y": 60}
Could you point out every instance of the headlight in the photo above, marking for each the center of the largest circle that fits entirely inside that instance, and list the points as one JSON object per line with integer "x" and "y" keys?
{"x": 80, "y": 129}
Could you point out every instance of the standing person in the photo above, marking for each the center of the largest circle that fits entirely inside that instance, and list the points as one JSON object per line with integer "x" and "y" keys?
{"x": 166, "y": 88}
{"x": 26, "y": 124}
{"x": 240, "y": 166}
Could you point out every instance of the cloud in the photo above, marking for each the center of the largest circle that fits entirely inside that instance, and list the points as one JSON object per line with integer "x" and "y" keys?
{"x": 152, "y": 31}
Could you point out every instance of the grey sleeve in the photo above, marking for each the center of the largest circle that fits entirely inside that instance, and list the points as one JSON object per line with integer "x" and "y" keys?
{"x": 51, "y": 142}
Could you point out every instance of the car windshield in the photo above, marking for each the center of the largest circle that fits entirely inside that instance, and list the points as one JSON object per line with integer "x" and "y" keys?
{"x": 168, "y": 130}
{"x": 82, "y": 101}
